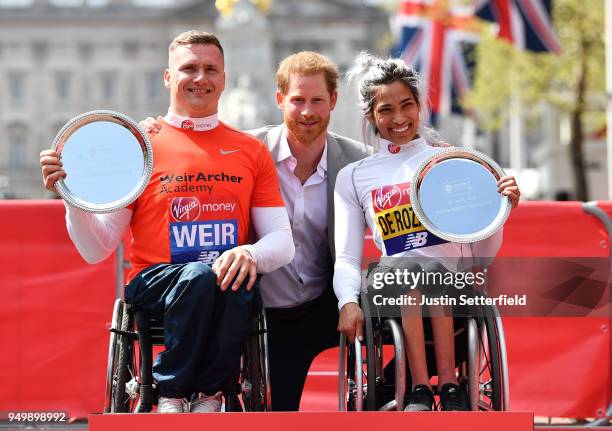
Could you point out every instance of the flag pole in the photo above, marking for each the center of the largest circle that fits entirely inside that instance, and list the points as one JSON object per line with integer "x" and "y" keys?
{"x": 516, "y": 132}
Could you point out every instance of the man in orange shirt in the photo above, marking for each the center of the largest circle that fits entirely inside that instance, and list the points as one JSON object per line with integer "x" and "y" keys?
{"x": 189, "y": 230}
{"x": 301, "y": 308}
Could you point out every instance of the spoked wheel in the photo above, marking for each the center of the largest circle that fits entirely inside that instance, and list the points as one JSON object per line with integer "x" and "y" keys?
{"x": 362, "y": 384}
{"x": 393, "y": 329}
{"x": 487, "y": 376}
{"x": 125, "y": 389}
{"x": 255, "y": 382}
{"x": 357, "y": 368}
{"x": 372, "y": 356}
{"x": 113, "y": 354}
{"x": 351, "y": 390}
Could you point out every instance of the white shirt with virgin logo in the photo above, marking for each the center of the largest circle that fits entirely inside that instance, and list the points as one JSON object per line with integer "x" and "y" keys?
{"x": 375, "y": 192}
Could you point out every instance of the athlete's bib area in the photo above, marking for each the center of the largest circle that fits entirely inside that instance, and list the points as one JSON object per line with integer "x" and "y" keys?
{"x": 57, "y": 309}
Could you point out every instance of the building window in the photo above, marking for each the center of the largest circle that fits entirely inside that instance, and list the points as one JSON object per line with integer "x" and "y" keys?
{"x": 307, "y": 45}
{"x": 16, "y": 3}
{"x": 65, "y": 3}
{"x": 85, "y": 50}
{"x": 16, "y": 90}
{"x": 40, "y": 50}
{"x": 97, "y": 3}
{"x": 131, "y": 49}
{"x": 62, "y": 86}
{"x": 17, "y": 137}
{"x": 108, "y": 83}
{"x": 154, "y": 85}
{"x": 154, "y": 3}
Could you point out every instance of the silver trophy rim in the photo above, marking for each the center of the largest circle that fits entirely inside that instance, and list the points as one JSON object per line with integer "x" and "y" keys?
{"x": 116, "y": 117}
{"x": 459, "y": 153}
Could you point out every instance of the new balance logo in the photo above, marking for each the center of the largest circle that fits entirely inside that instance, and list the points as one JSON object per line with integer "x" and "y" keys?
{"x": 415, "y": 240}
{"x": 208, "y": 257}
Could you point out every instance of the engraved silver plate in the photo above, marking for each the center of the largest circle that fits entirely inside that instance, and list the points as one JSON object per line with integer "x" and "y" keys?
{"x": 107, "y": 158}
{"x": 454, "y": 194}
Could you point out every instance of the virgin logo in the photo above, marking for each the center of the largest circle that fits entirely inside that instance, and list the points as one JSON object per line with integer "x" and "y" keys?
{"x": 187, "y": 124}
{"x": 394, "y": 148}
{"x": 185, "y": 209}
{"x": 387, "y": 197}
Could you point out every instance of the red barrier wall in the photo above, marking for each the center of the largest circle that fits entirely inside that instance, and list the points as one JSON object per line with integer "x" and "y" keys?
{"x": 558, "y": 366}
{"x": 55, "y": 312}
{"x": 57, "y": 308}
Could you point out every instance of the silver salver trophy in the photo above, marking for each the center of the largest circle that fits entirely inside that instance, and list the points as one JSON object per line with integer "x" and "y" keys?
{"x": 454, "y": 194}
{"x": 107, "y": 158}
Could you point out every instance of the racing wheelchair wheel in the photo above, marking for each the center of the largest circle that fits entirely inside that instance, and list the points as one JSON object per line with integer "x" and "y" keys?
{"x": 487, "y": 379}
{"x": 361, "y": 378}
{"x": 255, "y": 376}
{"x": 119, "y": 356}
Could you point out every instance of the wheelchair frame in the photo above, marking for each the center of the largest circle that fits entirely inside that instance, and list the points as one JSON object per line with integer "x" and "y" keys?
{"x": 484, "y": 372}
{"x": 129, "y": 380}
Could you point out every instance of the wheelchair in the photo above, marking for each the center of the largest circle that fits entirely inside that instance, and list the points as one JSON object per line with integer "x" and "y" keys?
{"x": 366, "y": 384}
{"x": 129, "y": 382}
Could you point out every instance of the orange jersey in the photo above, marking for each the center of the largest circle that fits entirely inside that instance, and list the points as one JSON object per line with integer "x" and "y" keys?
{"x": 198, "y": 201}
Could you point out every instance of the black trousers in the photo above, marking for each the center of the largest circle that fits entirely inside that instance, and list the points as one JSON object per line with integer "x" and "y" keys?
{"x": 295, "y": 337}
{"x": 205, "y": 329}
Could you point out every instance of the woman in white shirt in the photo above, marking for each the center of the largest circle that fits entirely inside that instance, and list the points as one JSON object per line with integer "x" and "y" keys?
{"x": 367, "y": 190}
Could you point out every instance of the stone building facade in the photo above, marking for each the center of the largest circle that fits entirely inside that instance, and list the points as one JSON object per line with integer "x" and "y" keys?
{"x": 59, "y": 58}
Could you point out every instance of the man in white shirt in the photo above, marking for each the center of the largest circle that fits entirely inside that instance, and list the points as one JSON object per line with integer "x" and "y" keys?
{"x": 301, "y": 307}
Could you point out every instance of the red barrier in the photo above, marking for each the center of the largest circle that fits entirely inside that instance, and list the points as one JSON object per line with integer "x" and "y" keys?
{"x": 55, "y": 313}
{"x": 558, "y": 366}
{"x": 57, "y": 308}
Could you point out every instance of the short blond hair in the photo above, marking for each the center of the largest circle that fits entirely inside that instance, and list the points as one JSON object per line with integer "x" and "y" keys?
{"x": 306, "y": 63}
{"x": 195, "y": 37}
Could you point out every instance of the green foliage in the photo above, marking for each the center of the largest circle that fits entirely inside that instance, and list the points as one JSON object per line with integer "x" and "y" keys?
{"x": 503, "y": 70}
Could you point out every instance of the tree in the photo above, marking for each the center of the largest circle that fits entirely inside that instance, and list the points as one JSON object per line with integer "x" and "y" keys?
{"x": 565, "y": 80}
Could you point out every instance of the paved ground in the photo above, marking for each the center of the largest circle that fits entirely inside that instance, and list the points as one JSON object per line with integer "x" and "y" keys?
{"x": 78, "y": 425}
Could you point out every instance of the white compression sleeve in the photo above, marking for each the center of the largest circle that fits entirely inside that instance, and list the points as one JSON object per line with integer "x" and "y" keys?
{"x": 349, "y": 234}
{"x": 96, "y": 235}
{"x": 275, "y": 245}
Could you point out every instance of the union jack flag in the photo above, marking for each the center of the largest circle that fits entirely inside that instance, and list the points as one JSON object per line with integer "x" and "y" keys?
{"x": 527, "y": 24}
{"x": 438, "y": 40}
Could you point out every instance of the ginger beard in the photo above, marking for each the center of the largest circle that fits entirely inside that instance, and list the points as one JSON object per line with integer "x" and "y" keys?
{"x": 306, "y": 130}
{"x": 306, "y": 105}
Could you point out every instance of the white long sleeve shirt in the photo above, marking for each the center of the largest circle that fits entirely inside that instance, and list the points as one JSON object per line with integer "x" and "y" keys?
{"x": 365, "y": 191}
